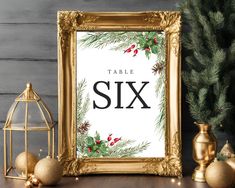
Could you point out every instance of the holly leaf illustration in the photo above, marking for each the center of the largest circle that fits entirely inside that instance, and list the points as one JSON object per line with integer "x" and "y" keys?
{"x": 152, "y": 34}
{"x": 147, "y": 54}
{"x": 154, "y": 49}
{"x": 95, "y": 147}
{"x": 90, "y": 141}
{"x": 97, "y": 136}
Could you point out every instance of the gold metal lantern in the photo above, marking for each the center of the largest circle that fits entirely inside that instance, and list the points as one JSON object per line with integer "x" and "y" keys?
{"x": 27, "y": 116}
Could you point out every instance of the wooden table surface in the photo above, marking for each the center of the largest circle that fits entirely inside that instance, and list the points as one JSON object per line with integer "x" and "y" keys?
{"x": 114, "y": 181}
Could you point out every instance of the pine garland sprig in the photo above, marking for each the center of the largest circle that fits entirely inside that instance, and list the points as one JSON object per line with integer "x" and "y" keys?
{"x": 160, "y": 122}
{"x": 159, "y": 68}
{"x": 81, "y": 144}
{"x": 82, "y": 103}
{"x": 113, "y": 151}
{"x": 125, "y": 151}
{"x": 102, "y": 39}
{"x": 83, "y": 126}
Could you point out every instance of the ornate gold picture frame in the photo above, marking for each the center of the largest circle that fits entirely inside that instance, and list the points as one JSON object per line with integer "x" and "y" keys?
{"x": 69, "y": 23}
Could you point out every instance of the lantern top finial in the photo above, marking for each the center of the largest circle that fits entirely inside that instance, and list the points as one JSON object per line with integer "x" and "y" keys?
{"x": 28, "y": 94}
{"x": 29, "y": 85}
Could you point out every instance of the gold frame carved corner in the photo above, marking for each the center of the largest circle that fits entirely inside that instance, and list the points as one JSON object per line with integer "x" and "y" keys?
{"x": 163, "y": 18}
{"x": 171, "y": 165}
{"x": 76, "y": 166}
{"x": 69, "y": 21}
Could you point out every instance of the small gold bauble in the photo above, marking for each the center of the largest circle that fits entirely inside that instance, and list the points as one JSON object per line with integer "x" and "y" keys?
{"x": 28, "y": 184}
{"x": 231, "y": 162}
{"x": 35, "y": 181}
{"x": 219, "y": 175}
{"x": 32, "y": 176}
{"x": 20, "y": 162}
{"x": 48, "y": 171}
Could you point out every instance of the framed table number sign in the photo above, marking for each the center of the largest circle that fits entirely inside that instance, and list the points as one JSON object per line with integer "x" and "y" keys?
{"x": 119, "y": 92}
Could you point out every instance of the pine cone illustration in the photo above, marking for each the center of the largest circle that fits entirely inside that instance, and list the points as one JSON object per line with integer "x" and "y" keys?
{"x": 84, "y": 127}
{"x": 157, "y": 68}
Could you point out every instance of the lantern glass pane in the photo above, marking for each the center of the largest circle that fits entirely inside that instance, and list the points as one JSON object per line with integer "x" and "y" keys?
{"x": 35, "y": 116}
{"x": 46, "y": 114}
{"x": 18, "y": 117}
{"x": 9, "y": 113}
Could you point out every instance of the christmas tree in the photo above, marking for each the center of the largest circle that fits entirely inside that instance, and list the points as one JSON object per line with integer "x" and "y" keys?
{"x": 210, "y": 44}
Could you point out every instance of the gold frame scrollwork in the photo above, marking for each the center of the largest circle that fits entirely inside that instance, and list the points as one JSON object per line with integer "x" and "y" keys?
{"x": 69, "y": 22}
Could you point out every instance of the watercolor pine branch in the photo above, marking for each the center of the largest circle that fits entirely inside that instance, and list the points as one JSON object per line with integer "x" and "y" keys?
{"x": 123, "y": 148}
{"x": 113, "y": 147}
{"x": 102, "y": 39}
{"x": 82, "y": 109}
{"x": 82, "y": 104}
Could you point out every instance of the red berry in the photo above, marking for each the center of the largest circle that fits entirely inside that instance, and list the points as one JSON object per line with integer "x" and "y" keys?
{"x": 135, "y": 52}
{"x": 128, "y": 50}
{"x": 112, "y": 143}
{"x": 132, "y": 46}
{"x": 89, "y": 149}
{"x": 116, "y": 139}
{"x": 109, "y": 137}
{"x": 98, "y": 141}
{"x": 155, "y": 40}
{"x": 147, "y": 49}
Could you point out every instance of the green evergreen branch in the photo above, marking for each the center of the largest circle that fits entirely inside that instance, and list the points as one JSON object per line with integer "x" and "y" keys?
{"x": 123, "y": 150}
{"x": 82, "y": 104}
{"x": 160, "y": 121}
{"x": 102, "y": 39}
{"x": 113, "y": 151}
{"x": 210, "y": 54}
{"x": 94, "y": 146}
{"x": 82, "y": 108}
{"x": 81, "y": 143}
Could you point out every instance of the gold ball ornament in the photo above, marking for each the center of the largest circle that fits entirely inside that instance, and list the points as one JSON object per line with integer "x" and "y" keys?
{"x": 219, "y": 175}
{"x": 20, "y": 162}
{"x": 48, "y": 171}
{"x": 231, "y": 162}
